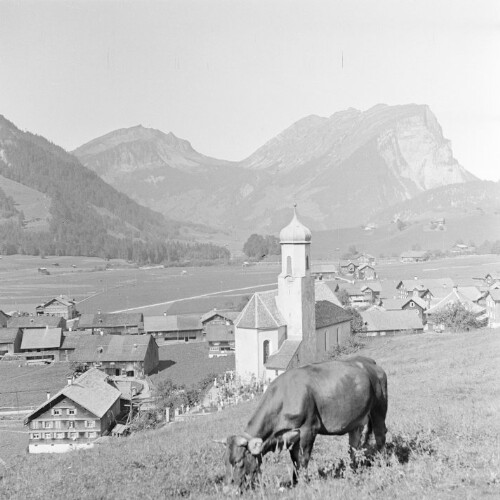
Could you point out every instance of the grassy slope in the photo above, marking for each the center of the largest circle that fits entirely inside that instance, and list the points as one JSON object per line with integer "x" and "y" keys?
{"x": 443, "y": 388}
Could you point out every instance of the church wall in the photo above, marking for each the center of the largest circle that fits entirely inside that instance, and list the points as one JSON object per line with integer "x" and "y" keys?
{"x": 330, "y": 336}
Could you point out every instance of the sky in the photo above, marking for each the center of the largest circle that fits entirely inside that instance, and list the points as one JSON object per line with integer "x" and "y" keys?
{"x": 228, "y": 75}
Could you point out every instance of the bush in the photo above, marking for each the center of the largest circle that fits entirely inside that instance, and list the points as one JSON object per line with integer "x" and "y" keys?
{"x": 350, "y": 347}
{"x": 457, "y": 317}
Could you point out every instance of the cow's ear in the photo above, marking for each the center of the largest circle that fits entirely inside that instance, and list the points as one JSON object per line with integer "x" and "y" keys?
{"x": 220, "y": 441}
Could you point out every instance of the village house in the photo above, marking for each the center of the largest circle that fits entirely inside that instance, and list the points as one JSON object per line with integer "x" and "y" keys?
{"x": 357, "y": 298}
{"x": 112, "y": 323}
{"x": 41, "y": 344}
{"x": 76, "y": 416}
{"x": 379, "y": 322}
{"x": 454, "y": 297}
{"x": 371, "y": 292}
{"x": 366, "y": 258}
{"x": 129, "y": 355}
{"x": 366, "y": 272}
{"x": 218, "y": 327}
{"x": 348, "y": 267}
{"x": 61, "y": 306}
{"x": 414, "y": 256}
{"x": 324, "y": 271}
{"x": 36, "y": 322}
{"x": 493, "y": 307}
{"x": 169, "y": 328}
{"x": 4, "y": 318}
{"x": 427, "y": 288}
{"x": 277, "y": 330}
{"x": 10, "y": 341}
{"x": 418, "y": 304}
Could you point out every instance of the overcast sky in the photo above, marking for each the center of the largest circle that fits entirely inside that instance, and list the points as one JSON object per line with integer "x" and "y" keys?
{"x": 230, "y": 75}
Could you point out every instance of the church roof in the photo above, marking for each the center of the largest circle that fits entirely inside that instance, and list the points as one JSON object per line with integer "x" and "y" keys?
{"x": 323, "y": 291}
{"x": 261, "y": 312}
{"x": 295, "y": 232}
{"x": 329, "y": 314}
{"x": 282, "y": 358}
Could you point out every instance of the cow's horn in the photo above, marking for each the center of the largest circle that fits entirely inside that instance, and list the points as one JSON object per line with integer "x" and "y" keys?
{"x": 220, "y": 441}
{"x": 240, "y": 441}
{"x": 255, "y": 446}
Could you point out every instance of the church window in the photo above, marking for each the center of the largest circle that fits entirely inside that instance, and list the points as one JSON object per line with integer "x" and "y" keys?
{"x": 307, "y": 262}
{"x": 289, "y": 266}
{"x": 265, "y": 351}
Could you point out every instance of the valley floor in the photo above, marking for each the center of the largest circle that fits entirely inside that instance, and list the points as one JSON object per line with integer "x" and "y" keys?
{"x": 443, "y": 425}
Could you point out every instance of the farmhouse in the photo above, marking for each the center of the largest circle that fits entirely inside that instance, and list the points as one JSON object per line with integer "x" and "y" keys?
{"x": 278, "y": 329}
{"x": 10, "y": 341}
{"x": 366, "y": 272}
{"x": 112, "y": 323}
{"x": 185, "y": 327}
{"x": 348, "y": 267}
{"x": 130, "y": 355}
{"x": 74, "y": 417}
{"x": 454, "y": 297}
{"x": 414, "y": 256}
{"x": 426, "y": 288}
{"x": 492, "y": 307}
{"x": 41, "y": 344}
{"x": 324, "y": 271}
{"x": 61, "y": 306}
{"x": 417, "y": 304}
{"x": 36, "y": 322}
{"x": 357, "y": 298}
{"x": 372, "y": 292}
{"x": 379, "y": 322}
{"x": 219, "y": 331}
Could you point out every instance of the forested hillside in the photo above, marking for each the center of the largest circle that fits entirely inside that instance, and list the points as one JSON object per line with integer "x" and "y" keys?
{"x": 88, "y": 217}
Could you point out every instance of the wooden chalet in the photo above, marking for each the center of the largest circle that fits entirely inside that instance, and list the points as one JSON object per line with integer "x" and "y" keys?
{"x": 366, "y": 272}
{"x": 61, "y": 306}
{"x": 168, "y": 328}
{"x": 112, "y": 323}
{"x": 76, "y": 416}
{"x": 348, "y": 267}
{"x": 41, "y": 344}
{"x": 218, "y": 327}
{"x": 130, "y": 355}
{"x": 10, "y": 341}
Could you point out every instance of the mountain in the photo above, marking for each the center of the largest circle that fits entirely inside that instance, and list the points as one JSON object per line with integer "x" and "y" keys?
{"x": 83, "y": 215}
{"x": 341, "y": 170}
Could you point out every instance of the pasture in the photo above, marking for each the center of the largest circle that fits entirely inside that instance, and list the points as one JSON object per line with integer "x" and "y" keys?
{"x": 443, "y": 429}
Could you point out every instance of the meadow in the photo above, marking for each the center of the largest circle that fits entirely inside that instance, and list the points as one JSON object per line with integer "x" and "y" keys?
{"x": 443, "y": 434}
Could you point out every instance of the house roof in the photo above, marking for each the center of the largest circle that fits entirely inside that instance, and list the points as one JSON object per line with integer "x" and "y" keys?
{"x": 63, "y": 299}
{"x": 494, "y": 293}
{"x": 172, "y": 323}
{"x": 282, "y": 358}
{"x": 346, "y": 263}
{"x": 439, "y": 287}
{"x": 324, "y": 290}
{"x": 220, "y": 333}
{"x": 110, "y": 320}
{"x": 35, "y": 322}
{"x": 393, "y": 304}
{"x": 379, "y": 320}
{"x": 8, "y": 335}
{"x": 323, "y": 268}
{"x": 364, "y": 266}
{"x": 227, "y": 314}
{"x": 261, "y": 312}
{"x": 330, "y": 314}
{"x": 472, "y": 292}
{"x": 90, "y": 390}
{"x": 420, "y": 302}
{"x": 351, "y": 289}
{"x": 453, "y": 297}
{"x": 42, "y": 338}
{"x": 373, "y": 285}
{"x": 98, "y": 348}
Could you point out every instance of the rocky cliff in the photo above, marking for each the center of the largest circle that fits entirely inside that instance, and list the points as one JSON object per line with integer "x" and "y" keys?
{"x": 341, "y": 170}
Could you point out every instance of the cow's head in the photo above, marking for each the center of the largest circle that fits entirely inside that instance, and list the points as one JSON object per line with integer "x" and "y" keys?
{"x": 243, "y": 458}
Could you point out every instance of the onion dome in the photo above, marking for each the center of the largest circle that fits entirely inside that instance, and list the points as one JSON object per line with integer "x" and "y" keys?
{"x": 295, "y": 232}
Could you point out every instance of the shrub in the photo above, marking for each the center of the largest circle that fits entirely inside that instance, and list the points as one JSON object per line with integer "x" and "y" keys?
{"x": 352, "y": 345}
{"x": 457, "y": 317}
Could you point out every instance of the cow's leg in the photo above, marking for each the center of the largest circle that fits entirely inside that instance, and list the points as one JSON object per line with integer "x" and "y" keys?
{"x": 379, "y": 429}
{"x": 354, "y": 442}
{"x": 301, "y": 453}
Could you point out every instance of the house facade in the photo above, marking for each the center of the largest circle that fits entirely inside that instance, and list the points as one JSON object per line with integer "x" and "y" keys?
{"x": 112, "y": 323}
{"x": 61, "y": 306}
{"x": 380, "y": 322}
{"x": 10, "y": 341}
{"x": 168, "y": 328}
{"x": 218, "y": 327}
{"x": 493, "y": 307}
{"x": 41, "y": 344}
{"x": 75, "y": 417}
{"x": 366, "y": 272}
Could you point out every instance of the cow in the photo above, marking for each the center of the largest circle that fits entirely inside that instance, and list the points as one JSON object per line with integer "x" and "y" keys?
{"x": 329, "y": 398}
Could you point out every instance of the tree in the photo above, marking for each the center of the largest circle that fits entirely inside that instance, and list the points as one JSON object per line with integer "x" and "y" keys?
{"x": 258, "y": 246}
{"x": 357, "y": 323}
{"x": 343, "y": 297}
{"x": 457, "y": 317}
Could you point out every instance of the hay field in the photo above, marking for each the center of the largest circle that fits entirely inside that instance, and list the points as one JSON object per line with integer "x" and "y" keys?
{"x": 443, "y": 425}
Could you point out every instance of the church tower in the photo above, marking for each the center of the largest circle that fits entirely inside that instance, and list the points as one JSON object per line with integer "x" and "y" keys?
{"x": 296, "y": 300}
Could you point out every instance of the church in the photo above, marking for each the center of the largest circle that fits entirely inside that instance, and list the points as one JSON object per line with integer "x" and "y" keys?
{"x": 287, "y": 327}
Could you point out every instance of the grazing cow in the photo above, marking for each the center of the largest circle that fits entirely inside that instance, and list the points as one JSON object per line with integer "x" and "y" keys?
{"x": 330, "y": 398}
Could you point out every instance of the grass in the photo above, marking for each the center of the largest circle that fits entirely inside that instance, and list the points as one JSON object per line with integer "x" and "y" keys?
{"x": 443, "y": 431}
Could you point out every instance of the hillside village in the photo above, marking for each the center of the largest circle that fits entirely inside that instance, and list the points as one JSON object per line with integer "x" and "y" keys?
{"x": 115, "y": 357}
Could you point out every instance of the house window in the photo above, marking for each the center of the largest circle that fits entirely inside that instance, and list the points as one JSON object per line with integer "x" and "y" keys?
{"x": 34, "y": 424}
{"x": 91, "y": 435}
{"x": 412, "y": 304}
{"x": 48, "y": 435}
{"x": 265, "y": 351}
{"x": 71, "y": 425}
{"x": 90, "y": 423}
{"x": 73, "y": 435}
{"x": 56, "y": 411}
{"x": 60, "y": 435}
{"x": 71, "y": 411}
{"x": 35, "y": 435}
{"x": 47, "y": 425}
